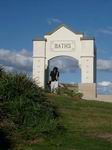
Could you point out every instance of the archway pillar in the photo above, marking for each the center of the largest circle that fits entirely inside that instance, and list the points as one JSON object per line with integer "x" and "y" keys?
{"x": 39, "y": 58}
{"x": 88, "y": 90}
{"x": 88, "y": 69}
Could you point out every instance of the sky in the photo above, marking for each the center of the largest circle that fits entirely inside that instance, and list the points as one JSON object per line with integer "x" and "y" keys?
{"x": 22, "y": 20}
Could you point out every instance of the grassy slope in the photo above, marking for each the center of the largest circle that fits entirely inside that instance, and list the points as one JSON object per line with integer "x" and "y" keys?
{"x": 88, "y": 124}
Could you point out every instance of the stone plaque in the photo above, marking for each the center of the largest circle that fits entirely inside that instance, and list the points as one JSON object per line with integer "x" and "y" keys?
{"x": 66, "y": 45}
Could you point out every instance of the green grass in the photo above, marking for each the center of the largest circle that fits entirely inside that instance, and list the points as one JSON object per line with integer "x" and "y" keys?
{"x": 88, "y": 126}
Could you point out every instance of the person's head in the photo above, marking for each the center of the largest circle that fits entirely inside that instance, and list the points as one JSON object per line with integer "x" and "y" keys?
{"x": 55, "y": 69}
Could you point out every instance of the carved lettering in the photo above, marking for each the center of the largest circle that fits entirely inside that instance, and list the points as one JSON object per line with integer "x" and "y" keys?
{"x": 63, "y": 45}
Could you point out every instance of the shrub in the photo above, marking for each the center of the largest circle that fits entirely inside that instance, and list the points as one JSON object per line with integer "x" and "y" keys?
{"x": 24, "y": 107}
{"x": 68, "y": 92}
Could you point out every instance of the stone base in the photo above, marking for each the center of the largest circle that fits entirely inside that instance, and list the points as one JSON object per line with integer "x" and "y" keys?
{"x": 105, "y": 98}
{"x": 88, "y": 90}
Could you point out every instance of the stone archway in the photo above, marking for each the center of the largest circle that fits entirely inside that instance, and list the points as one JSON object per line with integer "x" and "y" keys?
{"x": 63, "y": 41}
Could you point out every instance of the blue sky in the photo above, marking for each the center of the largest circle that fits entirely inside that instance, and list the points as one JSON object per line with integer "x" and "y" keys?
{"x": 22, "y": 20}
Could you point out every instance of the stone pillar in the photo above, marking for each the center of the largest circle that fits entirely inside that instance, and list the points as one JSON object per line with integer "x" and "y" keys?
{"x": 88, "y": 90}
{"x": 88, "y": 69}
{"x": 39, "y": 47}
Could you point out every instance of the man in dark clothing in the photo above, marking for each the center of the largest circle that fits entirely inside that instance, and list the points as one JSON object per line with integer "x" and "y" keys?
{"x": 54, "y": 79}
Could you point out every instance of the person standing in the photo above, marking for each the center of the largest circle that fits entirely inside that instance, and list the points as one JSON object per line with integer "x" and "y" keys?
{"x": 54, "y": 79}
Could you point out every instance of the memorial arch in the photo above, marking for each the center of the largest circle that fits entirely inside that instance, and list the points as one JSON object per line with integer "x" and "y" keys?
{"x": 64, "y": 41}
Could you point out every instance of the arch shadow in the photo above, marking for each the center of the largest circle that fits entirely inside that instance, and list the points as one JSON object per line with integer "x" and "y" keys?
{"x": 5, "y": 142}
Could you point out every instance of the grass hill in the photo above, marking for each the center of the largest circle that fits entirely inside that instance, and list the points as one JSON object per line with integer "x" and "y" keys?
{"x": 32, "y": 119}
{"x": 88, "y": 126}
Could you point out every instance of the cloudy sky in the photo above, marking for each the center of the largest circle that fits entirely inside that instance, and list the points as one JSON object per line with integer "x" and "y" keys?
{"x": 22, "y": 20}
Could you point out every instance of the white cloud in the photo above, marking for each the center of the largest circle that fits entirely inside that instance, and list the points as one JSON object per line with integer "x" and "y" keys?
{"x": 105, "y": 83}
{"x": 64, "y": 63}
{"x": 104, "y": 65}
{"x": 104, "y": 87}
{"x": 16, "y": 61}
{"x": 22, "y": 60}
{"x": 53, "y": 20}
{"x": 8, "y": 68}
{"x": 107, "y": 30}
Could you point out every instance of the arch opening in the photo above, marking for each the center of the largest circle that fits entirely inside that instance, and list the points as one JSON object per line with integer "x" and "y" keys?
{"x": 69, "y": 69}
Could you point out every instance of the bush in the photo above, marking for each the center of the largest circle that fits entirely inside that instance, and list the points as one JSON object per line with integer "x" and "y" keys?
{"x": 68, "y": 92}
{"x": 24, "y": 107}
